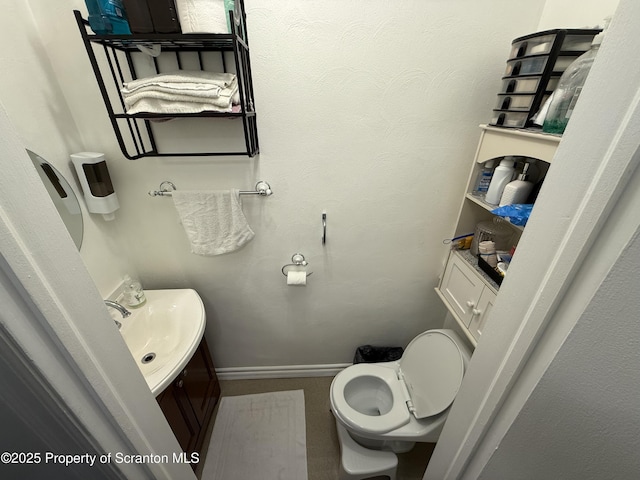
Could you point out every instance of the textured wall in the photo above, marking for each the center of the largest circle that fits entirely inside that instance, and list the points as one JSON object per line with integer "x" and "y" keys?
{"x": 36, "y": 104}
{"x": 585, "y": 13}
{"x": 368, "y": 110}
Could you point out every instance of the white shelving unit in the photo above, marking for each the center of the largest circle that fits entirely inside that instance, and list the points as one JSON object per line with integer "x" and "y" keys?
{"x": 467, "y": 292}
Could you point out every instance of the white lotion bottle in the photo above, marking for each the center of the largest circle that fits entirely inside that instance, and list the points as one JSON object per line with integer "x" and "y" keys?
{"x": 517, "y": 191}
{"x": 502, "y": 175}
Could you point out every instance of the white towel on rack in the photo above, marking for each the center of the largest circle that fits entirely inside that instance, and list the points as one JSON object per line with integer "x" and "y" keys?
{"x": 182, "y": 92}
{"x": 170, "y": 107}
{"x": 202, "y": 16}
{"x": 211, "y": 92}
{"x": 159, "y": 102}
{"x": 184, "y": 80}
{"x": 213, "y": 220}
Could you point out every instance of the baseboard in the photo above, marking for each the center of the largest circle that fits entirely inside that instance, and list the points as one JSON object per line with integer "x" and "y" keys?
{"x": 280, "y": 371}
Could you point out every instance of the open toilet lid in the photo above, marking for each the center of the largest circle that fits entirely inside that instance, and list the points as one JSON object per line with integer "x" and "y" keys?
{"x": 432, "y": 366}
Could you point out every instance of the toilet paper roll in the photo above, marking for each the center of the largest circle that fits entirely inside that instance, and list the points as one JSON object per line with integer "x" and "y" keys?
{"x": 487, "y": 250}
{"x": 487, "y": 246}
{"x": 296, "y": 278}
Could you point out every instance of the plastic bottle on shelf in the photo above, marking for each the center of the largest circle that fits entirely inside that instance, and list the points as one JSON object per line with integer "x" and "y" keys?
{"x": 502, "y": 175}
{"x": 107, "y": 17}
{"x": 230, "y": 5}
{"x": 517, "y": 191}
{"x": 483, "y": 180}
{"x": 133, "y": 292}
{"x": 566, "y": 94}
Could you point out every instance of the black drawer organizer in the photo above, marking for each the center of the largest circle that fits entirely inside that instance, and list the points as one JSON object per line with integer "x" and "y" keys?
{"x": 534, "y": 67}
{"x": 116, "y": 59}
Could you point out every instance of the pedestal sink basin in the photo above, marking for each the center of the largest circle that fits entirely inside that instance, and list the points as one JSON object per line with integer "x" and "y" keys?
{"x": 164, "y": 333}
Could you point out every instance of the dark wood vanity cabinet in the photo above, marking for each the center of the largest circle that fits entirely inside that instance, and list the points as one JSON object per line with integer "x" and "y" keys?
{"x": 188, "y": 402}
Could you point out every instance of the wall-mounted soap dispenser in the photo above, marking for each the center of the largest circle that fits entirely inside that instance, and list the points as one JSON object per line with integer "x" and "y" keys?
{"x": 99, "y": 195}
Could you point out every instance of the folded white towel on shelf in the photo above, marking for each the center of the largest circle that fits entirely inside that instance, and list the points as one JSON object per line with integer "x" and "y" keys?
{"x": 169, "y": 107}
{"x": 213, "y": 220}
{"x": 202, "y": 16}
{"x": 182, "y": 92}
{"x": 160, "y": 102}
{"x": 210, "y": 91}
{"x": 183, "y": 79}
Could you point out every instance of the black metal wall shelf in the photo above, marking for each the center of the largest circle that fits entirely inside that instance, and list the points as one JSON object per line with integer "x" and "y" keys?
{"x": 116, "y": 59}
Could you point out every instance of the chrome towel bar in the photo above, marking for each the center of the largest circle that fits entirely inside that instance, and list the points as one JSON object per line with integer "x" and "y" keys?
{"x": 167, "y": 188}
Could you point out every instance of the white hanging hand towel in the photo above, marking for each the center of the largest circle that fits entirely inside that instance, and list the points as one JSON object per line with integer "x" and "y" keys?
{"x": 213, "y": 220}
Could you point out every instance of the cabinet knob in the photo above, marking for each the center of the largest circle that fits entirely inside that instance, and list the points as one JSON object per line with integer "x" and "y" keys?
{"x": 179, "y": 383}
{"x": 470, "y": 304}
{"x": 184, "y": 372}
{"x": 475, "y": 311}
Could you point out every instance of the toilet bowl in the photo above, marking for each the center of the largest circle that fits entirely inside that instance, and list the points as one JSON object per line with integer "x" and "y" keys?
{"x": 392, "y": 405}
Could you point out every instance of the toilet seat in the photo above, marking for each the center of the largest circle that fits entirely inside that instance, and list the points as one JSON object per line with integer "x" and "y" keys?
{"x": 395, "y": 417}
{"x": 432, "y": 366}
{"x": 423, "y": 383}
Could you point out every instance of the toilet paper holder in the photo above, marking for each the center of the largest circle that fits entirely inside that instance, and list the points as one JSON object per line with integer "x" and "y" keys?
{"x": 297, "y": 260}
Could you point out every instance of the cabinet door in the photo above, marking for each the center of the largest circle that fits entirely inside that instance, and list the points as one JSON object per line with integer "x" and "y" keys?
{"x": 188, "y": 401}
{"x": 201, "y": 383}
{"x": 180, "y": 416}
{"x": 461, "y": 287}
{"x": 481, "y": 313}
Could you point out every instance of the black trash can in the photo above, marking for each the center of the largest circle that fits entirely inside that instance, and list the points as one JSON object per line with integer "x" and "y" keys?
{"x": 371, "y": 354}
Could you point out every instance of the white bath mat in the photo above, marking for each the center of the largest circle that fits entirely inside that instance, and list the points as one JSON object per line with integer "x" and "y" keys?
{"x": 258, "y": 436}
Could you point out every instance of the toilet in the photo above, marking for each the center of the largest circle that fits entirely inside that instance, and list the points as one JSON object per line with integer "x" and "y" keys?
{"x": 392, "y": 405}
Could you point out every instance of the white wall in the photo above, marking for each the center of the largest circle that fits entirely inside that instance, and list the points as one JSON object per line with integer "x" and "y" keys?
{"x": 575, "y": 13}
{"x": 128, "y": 172}
{"x": 57, "y": 337}
{"x": 368, "y": 110}
{"x": 31, "y": 95}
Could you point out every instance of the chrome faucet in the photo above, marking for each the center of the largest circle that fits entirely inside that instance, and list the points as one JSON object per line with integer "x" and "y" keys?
{"x": 123, "y": 311}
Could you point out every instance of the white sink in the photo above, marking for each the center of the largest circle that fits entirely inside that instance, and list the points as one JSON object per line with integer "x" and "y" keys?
{"x": 164, "y": 333}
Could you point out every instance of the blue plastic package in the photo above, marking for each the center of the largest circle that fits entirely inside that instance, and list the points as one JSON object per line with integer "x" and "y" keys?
{"x": 518, "y": 214}
{"x": 107, "y": 17}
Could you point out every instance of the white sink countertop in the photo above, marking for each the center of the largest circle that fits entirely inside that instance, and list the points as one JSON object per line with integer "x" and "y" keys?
{"x": 163, "y": 334}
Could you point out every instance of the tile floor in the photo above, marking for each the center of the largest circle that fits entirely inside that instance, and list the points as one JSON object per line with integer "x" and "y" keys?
{"x": 323, "y": 450}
